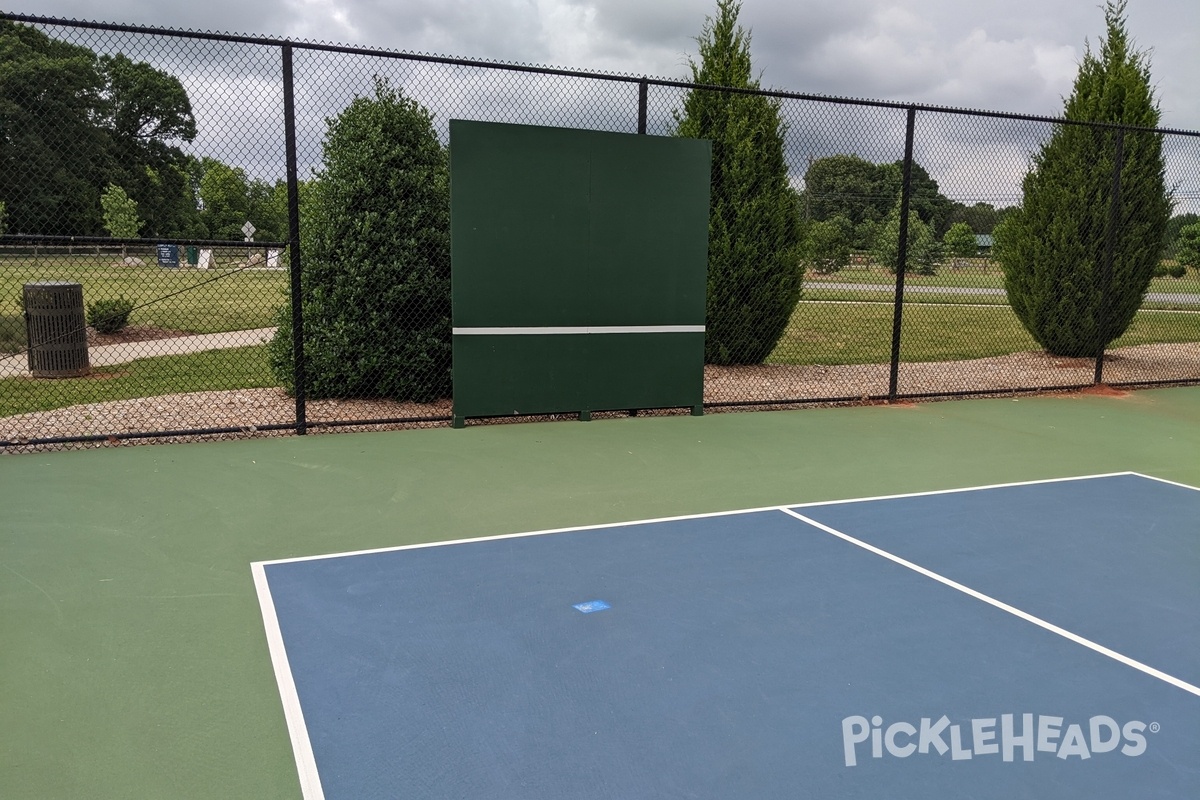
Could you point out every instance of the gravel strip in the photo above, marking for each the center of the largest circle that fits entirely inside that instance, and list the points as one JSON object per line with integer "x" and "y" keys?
{"x": 251, "y": 409}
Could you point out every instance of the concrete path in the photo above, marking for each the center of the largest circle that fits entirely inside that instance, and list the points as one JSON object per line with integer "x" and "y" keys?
{"x": 109, "y": 354}
{"x": 908, "y": 288}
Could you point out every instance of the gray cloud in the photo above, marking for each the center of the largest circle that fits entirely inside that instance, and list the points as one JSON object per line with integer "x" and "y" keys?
{"x": 1013, "y": 55}
{"x": 1017, "y": 55}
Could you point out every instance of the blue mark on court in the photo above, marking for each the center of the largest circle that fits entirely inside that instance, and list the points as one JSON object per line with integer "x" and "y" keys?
{"x": 591, "y": 606}
{"x": 757, "y": 655}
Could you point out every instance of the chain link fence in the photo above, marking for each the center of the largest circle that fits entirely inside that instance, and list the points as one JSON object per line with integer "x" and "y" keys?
{"x": 202, "y": 234}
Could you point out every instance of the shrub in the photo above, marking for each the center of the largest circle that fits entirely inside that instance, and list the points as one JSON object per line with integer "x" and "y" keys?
{"x": 1164, "y": 270}
{"x": 109, "y": 316}
{"x": 375, "y": 267}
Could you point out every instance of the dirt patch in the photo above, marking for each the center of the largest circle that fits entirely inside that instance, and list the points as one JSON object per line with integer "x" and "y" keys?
{"x": 1103, "y": 390}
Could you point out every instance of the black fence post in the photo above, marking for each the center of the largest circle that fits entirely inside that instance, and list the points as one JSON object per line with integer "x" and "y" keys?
{"x": 293, "y": 192}
{"x": 1110, "y": 246}
{"x": 902, "y": 254}
{"x": 643, "y": 88}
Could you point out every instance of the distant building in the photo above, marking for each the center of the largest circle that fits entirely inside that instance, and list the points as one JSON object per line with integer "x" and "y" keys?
{"x": 984, "y": 242}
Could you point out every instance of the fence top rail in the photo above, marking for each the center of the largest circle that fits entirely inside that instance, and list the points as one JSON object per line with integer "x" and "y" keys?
{"x": 284, "y": 42}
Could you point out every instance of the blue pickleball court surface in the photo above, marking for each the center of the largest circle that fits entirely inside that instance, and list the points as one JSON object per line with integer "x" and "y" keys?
{"x": 1034, "y": 640}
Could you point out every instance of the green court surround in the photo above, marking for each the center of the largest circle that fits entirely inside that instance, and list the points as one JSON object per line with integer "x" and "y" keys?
{"x": 134, "y": 662}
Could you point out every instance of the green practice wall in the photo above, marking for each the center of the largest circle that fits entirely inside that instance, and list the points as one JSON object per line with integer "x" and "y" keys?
{"x": 560, "y": 236}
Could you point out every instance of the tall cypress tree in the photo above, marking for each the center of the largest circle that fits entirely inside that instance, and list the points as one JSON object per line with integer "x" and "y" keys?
{"x": 754, "y": 269}
{"x": 1054, "y": 248}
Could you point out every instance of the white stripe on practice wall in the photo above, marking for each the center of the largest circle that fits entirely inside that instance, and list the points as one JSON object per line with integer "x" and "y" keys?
{"x": 517, "y": 331}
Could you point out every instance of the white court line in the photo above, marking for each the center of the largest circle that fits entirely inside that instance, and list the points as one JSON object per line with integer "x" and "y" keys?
{"x": 306, "y": 762}
{"x": 521, "y": 535}
{"x": 310, "y": 782}
{"x": 1016, "y": 612}
{"x": 964, "y": 489}
{"x": 706, "y": 515}
{"x": 1164, "y": 480}
{"x": 567, "y": 330}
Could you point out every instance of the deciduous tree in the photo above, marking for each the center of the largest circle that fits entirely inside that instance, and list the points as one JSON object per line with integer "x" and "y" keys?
{"x": 924, "y": 251}
{"x": 54, "y": 157}
{"x": 224, "y": 195}
{"x": 826, "y": 247}
{"x": 960, "y": 241}
{"x": 1187, "y": 246}
{"x": 120, "y": 214}
{"x": 72, "y": 122}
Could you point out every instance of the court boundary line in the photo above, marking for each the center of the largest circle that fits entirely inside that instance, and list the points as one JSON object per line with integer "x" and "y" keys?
{"x": 310, "y": 781}
{"x": 518, "y": 535}
{"x": 1178, "y": 683}
{"x": 293, "y": 713}
{"x": 1168, "y": 482}
{"x": 683, "y": 517}
{"x": 935, "y": 492}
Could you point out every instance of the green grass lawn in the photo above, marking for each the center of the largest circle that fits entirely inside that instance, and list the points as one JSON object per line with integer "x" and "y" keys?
{"x": 972, "y": 272}
{"x": 197, "y": 301}
{"x": 861, "y": 333}
{"x": 976, "y": 273}
{"x": 941, "y": 327}
{"x": 885, "y": 295}
{"x": 240, "y": 368}
{"x": 820, "y": 333}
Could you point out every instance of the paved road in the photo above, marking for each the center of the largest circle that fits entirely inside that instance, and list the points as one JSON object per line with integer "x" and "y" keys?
{"x": 109, "y": 354}
{"x": 1182, "y": 298}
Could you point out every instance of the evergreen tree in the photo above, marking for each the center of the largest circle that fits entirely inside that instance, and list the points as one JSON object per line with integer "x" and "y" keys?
{"x": 754, "y": 270}
{"x": 375, "y": 272}
{"x": 1053, "y": 248}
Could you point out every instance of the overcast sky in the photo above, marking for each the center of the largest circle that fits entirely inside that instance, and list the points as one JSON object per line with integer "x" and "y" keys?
{"x": 1008, "y": 55}
{"x": 1013, "y": 55}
